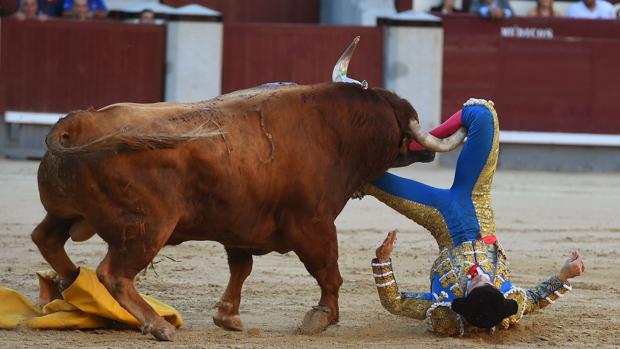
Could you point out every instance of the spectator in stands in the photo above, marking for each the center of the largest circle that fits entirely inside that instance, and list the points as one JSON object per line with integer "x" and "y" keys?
{"x": 544, "y": 8}
{"x": 591, "y": 9}
{"x": 29, "y": 9}
{"x": 79, "y": 10}
{"x": 51, "y": 8}
{"x": 446, "y": 6}
{"x": 84, "y": 9}
{"x": 147, "y": 16}
{"x": 494, "y": 9}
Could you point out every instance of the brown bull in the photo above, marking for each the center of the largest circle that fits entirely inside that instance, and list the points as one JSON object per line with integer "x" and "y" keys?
{"x": 260, "y": 170}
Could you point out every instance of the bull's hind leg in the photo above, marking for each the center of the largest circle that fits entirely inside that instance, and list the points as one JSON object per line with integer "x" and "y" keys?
{"x": 50, "y": 237}
{"x": 227, "y": 312}
{"x": 124, "y": 260}
{"x": 320, "y": 257}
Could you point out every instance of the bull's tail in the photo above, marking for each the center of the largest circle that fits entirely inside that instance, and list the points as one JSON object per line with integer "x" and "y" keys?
{"x": 59, "y": 141}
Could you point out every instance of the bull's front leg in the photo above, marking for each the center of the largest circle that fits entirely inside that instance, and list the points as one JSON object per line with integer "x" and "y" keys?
{"x": 320, "y": 257}
{"x": 226, "y": 313}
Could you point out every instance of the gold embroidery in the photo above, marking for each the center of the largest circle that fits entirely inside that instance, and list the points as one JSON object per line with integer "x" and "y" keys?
{"x": 391, "y": 300}
{"x": 487, "y": 265}
{"x": 444, "y": 321}
{"x": 456, "y": 289}
{"x": 497, "y": 282}
{"x": 448, "y": 279}
{"x": 468, "y": 252}
{"x": 481, "y": 194}
{"x": 426, "y": 216}
{"x": 444, "y": 266}
{"x": 518, "y": 295}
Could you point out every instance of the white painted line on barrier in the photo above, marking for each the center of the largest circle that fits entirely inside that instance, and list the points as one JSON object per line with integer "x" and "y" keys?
{"x": 24, "y": 117}
{"x": 560, "y": 138}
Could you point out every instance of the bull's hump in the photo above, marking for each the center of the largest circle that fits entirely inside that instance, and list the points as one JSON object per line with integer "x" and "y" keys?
{"x": 144, "y": 106}
{"x": 253, "y": 92}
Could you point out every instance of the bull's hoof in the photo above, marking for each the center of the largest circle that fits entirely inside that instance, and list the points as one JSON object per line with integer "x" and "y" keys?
{"x": 222, "y": 317}
{"x": 163, "y": 331}
{"x": 316, "y": 320}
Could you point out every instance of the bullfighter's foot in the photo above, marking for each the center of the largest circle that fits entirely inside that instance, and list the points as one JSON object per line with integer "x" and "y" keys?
{"x": 163, "y": 330}
{"x": 223, "y": 318}
{"x": 317, "y": 320}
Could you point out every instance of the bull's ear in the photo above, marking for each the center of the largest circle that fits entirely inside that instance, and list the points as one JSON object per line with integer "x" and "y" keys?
{"x": 459, "y": 305}
{"x": 510, "y": 307}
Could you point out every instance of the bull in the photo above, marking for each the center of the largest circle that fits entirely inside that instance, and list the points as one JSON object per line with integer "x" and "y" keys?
{"x": 258, "y": 170}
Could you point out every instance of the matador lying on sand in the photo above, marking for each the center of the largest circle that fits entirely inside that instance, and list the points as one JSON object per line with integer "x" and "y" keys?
{"x": 470, "y": 279}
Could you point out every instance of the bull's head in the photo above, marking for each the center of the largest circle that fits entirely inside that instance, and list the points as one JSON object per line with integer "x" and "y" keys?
{"x": 407, "y": 154}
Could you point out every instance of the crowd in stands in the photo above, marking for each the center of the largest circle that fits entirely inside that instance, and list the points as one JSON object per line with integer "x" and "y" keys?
{"x": 498, "y": 9}
{"x": 80, "y": 10}
{"x": 72, "y": 9}
{"x": 492, "y": 9}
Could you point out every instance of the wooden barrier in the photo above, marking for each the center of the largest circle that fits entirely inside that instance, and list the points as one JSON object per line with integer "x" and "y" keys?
{"x": 259, "y": 53}
{"x": 8, "y": 7}
{"x": 61, "y": 65}
{"x": 554, "y": 75}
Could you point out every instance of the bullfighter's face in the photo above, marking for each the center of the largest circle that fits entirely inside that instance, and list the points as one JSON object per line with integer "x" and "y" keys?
{"x": 477, "y": 281}
{"x": 80, "y": 7}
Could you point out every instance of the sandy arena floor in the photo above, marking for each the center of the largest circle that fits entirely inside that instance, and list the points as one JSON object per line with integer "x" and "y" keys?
{"x": 540, "y": 217}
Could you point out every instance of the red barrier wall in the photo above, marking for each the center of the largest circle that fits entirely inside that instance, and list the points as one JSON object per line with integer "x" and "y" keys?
{"x": 61, "y": 65}
{"x": 264, "y": 11}
{"x": 558, "y": 75}
{"x": 8, "y": 7}
{"x": 255, "y": 54}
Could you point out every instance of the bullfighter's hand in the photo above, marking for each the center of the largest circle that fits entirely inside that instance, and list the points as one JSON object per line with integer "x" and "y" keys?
{"x": 385, "y": 250}
{"x": 573, "y": 267}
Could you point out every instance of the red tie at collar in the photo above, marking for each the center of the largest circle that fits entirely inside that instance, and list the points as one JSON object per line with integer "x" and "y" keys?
{"x": 489, "y": 239}
{"x": 473, "y": 271}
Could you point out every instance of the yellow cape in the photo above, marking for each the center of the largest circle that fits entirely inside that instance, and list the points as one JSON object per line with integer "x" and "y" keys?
{"x": 85, "y": 304}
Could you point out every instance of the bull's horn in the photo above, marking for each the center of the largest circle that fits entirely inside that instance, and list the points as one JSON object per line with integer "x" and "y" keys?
{"x": 433, "y": 143}
{"x": 339, "y": 74}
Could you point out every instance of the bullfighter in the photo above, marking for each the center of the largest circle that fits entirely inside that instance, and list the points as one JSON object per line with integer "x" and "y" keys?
{"x": 470, "y": 279}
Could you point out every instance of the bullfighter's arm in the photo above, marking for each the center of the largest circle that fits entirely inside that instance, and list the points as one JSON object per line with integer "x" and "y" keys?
{"x": 547, "y": 292}
{"x": 410, "y": 304}
{"x": 553, "y": 288}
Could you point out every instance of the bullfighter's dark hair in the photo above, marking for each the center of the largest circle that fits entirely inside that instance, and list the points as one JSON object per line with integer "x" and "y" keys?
{"x": 485, "y": 307}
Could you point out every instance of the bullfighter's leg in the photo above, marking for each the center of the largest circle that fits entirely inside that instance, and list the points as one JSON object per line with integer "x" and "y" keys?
{"x": 227, "y": 312}
{"x": 320, "y": 257}
{"x": 124, "y": 260}
{"x": 50, "y": 237}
